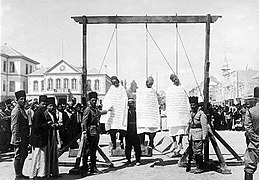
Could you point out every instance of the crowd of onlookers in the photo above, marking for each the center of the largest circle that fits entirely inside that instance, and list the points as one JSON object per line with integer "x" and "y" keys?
{"x": 69, "y": 115}
{"x": 228, "y": 117}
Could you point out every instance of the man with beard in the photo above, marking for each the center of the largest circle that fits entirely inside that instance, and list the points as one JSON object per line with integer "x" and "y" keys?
{"x": 52, "y": 151}
{"x": 39, "y": 139}
{"x": 20, "y": 134}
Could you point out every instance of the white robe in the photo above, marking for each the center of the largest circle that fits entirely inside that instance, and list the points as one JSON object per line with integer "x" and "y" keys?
{"x": 178, "y": 110}
{"x": 118, "y": 118}
{"x": 147, "y": 109}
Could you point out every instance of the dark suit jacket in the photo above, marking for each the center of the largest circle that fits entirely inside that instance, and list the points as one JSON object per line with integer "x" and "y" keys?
{"x": 40, "y": 127}
{"x": 51, "y": 129}
{"x": 19, "y": 126}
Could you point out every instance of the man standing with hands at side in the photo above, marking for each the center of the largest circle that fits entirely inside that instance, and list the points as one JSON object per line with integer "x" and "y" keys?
{"x": 20, "y": 134}
{"x": 197, "y": 129}
{"x": 132, "y": 138}
{"x": 251, "y": 156}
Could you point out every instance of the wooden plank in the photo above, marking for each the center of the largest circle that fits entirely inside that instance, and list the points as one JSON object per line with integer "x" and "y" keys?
{"x": 142, "y": 19}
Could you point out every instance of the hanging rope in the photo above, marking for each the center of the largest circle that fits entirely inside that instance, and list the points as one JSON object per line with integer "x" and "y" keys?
{"x": 160, "y": 51}
{"x": 176, "y": 51}
{"x": 189, "y": 61}
{"x": 146, "y": 52}
{"x": 116, "y": 49}
{"x": 108, "y": 47}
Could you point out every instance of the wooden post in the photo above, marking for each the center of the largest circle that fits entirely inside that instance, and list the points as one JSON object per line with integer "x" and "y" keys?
{"x": 84, "y": 70}
{"x": 206, "y": 81}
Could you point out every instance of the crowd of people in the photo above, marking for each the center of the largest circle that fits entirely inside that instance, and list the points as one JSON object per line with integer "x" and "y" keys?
{"x": 45, "y": 127}
{"x": 40, "y": 126}
{"x": 228, "y": 117}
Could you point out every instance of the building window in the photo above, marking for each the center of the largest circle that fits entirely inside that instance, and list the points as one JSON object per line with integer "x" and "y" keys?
{"x": 42, "y": 85}
{"x": 4, "y": 85}
{"x": 12, "y": 68}
{"x": 35, "y": 86}
{"x": 73, "y": 84}
{"x": 12, "y": 86}
{"x": 65, "y": 83}
{"x": 58, "y": 84}
{"x": 96, "y": 85}
{"x": 25, "y": 87}
{"x": 30, "y": 68}
{"x": 89, "y": 85}
{"x": 27, "y": 69}
{"x": 50, "y": 84}
{"x": 5, "y": 66}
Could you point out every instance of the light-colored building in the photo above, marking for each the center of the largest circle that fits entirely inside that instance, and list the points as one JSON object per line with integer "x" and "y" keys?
{"x": 15, "y": 68}
{"x": 63, "y": 80}
{"x": 238, "y": 85}
{"x": 213, "y": 90}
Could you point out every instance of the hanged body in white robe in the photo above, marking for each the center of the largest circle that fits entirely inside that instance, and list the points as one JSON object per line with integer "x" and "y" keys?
{"x": 118, "y": 117}
{"x": 147, "y": 109}
{"x": 178, "y": 110}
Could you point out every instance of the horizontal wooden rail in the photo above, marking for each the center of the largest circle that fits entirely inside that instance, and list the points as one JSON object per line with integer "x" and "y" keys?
{"x": 143, "y": 19}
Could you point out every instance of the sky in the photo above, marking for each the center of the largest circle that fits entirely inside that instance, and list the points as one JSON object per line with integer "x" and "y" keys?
{"x": 44, "y": 31}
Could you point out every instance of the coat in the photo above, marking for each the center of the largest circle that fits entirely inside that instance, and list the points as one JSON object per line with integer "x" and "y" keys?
{"x": 19, "y": 126}
{"x": 198, "y": 126}
{"x": 252, "y": 127}
{"x": 91, "y": 117}
{"x": 39, "y": 136}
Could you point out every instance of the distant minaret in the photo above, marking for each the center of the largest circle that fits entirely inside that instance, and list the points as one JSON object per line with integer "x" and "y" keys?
{"x": 225, "y": 68}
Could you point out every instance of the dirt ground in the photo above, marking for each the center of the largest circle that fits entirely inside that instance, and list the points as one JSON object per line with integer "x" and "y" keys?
{"x": 157, "y": 167}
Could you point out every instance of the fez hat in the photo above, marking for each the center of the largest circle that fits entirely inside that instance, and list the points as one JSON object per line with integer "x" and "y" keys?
{"x": 256, "y": 92}
{"x": 172, "y": 76}
{"x": 8, "y": 101}
{"x": 92, "y": 95}
{"x": 51, "y": 100}
{"x": 43, "y": 98}
{"x": 114, "y": 77}
{"x": 193, "y": 99}
{"x": 19, "y": 94}
{"x": 62, "y": 101}
{"x": 2, "y": 104}
{"x": 200, "y": 104}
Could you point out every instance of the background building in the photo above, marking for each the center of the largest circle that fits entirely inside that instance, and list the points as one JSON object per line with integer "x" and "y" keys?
{"x": 15, "y": 68}
{"x": 63, "y": 80}
{"x": 213, "y": 90}
{"x": 237, "y": 86}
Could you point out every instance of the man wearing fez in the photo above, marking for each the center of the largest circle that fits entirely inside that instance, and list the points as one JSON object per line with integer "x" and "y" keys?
{"x": 52, "y": 151}
{"x": 251, "y": 124}
{"x": 197, "y": 129}
{"x": 132, "y": 138}
{"x": 91, "y": 133}
{"x": 20, "y": 134}
{"x": 39, "y": 139}
{"x": 62, "y": 120}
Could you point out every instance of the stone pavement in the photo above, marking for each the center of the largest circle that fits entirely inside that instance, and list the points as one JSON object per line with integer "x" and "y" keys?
{"x": 164, "y": 167}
